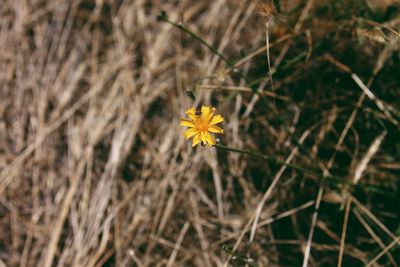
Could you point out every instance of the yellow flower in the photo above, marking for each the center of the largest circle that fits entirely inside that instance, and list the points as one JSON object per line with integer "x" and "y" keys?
{"x": 201, "y": 124}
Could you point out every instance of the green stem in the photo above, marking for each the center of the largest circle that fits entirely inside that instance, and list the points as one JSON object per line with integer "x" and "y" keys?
{"x": 163, "y": 17}
{"x": 268, "y": 158}
{"x": 330, "y": 180}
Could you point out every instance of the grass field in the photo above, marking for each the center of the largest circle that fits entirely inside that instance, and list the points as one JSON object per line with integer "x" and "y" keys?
{"x": 95, "y": 169}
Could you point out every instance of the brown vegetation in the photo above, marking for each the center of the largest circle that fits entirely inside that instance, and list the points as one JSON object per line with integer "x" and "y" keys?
{"x": 95, "y": 171}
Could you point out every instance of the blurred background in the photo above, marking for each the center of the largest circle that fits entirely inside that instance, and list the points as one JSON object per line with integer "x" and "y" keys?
{"x": 94, "y": 168}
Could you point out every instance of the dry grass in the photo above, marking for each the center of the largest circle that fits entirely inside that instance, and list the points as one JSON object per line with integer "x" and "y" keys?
{"x": 94, "y": 170}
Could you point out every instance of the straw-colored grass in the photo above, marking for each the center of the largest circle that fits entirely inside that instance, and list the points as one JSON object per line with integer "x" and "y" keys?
{"x": 95, "y": 171}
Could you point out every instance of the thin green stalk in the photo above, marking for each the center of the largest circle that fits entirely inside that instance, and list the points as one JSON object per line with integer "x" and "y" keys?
{"x": 327, "y": 180}
{"x": 268, "y": 158}
{"x": 162, "y": 16}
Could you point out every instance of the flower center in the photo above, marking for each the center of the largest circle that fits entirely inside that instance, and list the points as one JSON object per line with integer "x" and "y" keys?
{"x": 201, "y": 125}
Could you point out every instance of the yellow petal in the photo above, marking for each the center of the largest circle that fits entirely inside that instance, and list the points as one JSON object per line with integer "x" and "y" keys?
{"x": 188, "y": 123}
{"x": 203, "y": 137}
{"x": 215, "y": 129}
{"x": 189, "y": 133}
{"x": 210, "y": 139}
{"x": 216, "y": 119}
{"x": 191, "y": 112}
{"x": 196, "y": 140}
{"x": 207, "y": 113}
{"x": 205, "y": 110}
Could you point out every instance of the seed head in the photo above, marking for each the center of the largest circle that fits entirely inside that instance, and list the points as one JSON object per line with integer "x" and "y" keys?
{"x": 266, "y": 11}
